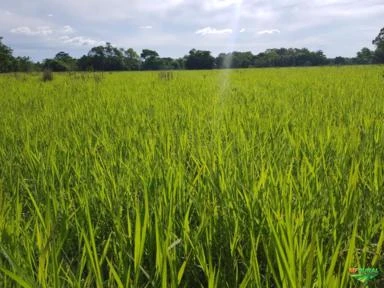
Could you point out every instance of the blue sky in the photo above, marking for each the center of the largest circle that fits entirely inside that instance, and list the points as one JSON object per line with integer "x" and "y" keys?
{"x": 41, "y": 28}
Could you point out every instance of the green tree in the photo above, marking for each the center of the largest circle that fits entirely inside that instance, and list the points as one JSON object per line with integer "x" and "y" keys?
{"x": 284, "y": 57}
{"x": 379, "y": 43}
{"x": 379, "y": 38}
{"x": 109, "y": 58}
{"x": 340, "y": 60}
{"x": 131, "y": 59}
{"x": 54, "y": 65}
{"x": 60, "y": 63}
{"x": 84, "y": 63}
{"x": 179, "y": 63}
{"x": 198, "y": 59}
{"x": 151, "y": 60}
{"x": 168, "y": 63}
{"x": 269, "y": 58}
{"x": 6, "y": 58}
{"x": 63, "y": 57}
{"x": 66, "y": 60}
{"x": 97, "y": 58}
{"x": 104, "y": 58}
{"x": 364, "y": 56}
{"x": 234, "y": 60}
{"x": 222, "y": 61}
{"x": 23, "y": 64}
{"x": 146, "y": 53}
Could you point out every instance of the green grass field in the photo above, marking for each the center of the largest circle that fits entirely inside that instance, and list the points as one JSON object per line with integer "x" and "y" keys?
{"x": 241, "y": 178}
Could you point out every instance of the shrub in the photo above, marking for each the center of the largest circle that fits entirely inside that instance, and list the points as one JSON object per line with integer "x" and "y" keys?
{"x": 47, "y": 75}
{"x": 166, "y": 75}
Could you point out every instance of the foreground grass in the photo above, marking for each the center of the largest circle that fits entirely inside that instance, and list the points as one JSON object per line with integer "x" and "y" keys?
{"x": 254, "y": 178}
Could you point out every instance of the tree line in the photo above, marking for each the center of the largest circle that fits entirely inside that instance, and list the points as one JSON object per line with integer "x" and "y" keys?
{"x": 109, "y": 58}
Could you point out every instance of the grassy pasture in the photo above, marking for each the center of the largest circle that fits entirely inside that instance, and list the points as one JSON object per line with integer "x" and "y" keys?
{"x": 241, "y": 178}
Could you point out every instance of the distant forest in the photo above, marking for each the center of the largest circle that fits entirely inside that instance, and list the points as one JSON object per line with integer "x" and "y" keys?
{"x": 110, "y": 58}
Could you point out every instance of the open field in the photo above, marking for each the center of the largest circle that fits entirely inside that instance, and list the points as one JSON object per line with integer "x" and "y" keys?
{"x": 241, "y": 178}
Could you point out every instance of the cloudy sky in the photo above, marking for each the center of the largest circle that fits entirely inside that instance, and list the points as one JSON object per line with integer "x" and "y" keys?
{"x": 41, "y": 28}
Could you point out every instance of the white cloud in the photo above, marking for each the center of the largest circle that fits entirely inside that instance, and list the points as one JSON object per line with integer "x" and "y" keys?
{"x": 42, "y": 30}
{"x": 25, "y": 30}
{"x": 220, "y": 4}
{"x": 146, "y": 27}
{"x": 155, "y": 6}
{"x": 334, "y": 22}
{"x": 209, "y": 30}
{"x": 57, "y": 35}
{"x": 67, "y": 30}
{"x": 80, "y": 41}
{"x": 90, "y": 10}
{"x": 271, "y": 31}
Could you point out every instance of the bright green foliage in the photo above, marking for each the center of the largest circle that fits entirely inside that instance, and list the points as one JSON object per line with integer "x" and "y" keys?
{"x": 256, "y": 178}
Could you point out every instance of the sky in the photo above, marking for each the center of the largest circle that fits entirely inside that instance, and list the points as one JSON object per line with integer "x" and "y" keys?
{"x": 41, "y": 28}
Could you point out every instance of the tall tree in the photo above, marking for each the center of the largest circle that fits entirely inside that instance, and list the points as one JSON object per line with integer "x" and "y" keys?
{"x": 379, "y": 38}
{"x": 60, "y": 63}
{"x": 84, "y": 63}
{"x": 64, "y": 57}
{"x": 379, "y": 43}
{"x": 131, "y": 59}
{"x": 234, "y": 60}
{"x": 199, "y": 59}
{"x": 146, "y": 53}
{"x": 106, "y": 58}
{"x": 339, "y": 60}
{"x": 151, "y": 60}
{"x": 23, "y": 64}
{"x": 96, "y": 58}
{"x": 364, "y": 56}
{"x": 6, "y": 58}
{"x": 222, "y": 61}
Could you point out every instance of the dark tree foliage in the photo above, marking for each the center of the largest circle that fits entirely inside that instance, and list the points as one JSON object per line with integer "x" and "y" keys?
{"x": 179, "y": 63}
{"x": 364, "y": 56}
{"x": 54, "y": 65}
{"x": 340, "y": 60}
{"x": 23, "y": 64}
{"x": 84, "y": 63}
{"x": 379, "y": 38}
{"x": 146, "y": 54}
{"x": 168, "y": 63}
{"x": 235, "y": 60}
{"x": 109, "y": 58}
{"x": 151, "y": 60}
{"x": 106, "y": 58}
{"x": 60, "y": 63}
{"x": 199, "y": 59}
{"x": 131, "y": 60}
{"x": 284, "y": 57}
{"x": 9, "y": 63}
{"x": 6, "y": 58}
{"x": 379, "y": 43}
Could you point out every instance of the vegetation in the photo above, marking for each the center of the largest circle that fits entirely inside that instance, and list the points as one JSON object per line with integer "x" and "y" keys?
{"x": 47, "y": 75}
{"x": 110, "y": 58}
{"x": 379, "y": 42}
{"x": 8, "y": 63}
{"x": 226, "y": 178}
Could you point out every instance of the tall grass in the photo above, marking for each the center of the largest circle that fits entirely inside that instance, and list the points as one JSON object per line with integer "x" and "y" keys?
{"x": 125, "y": 180}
